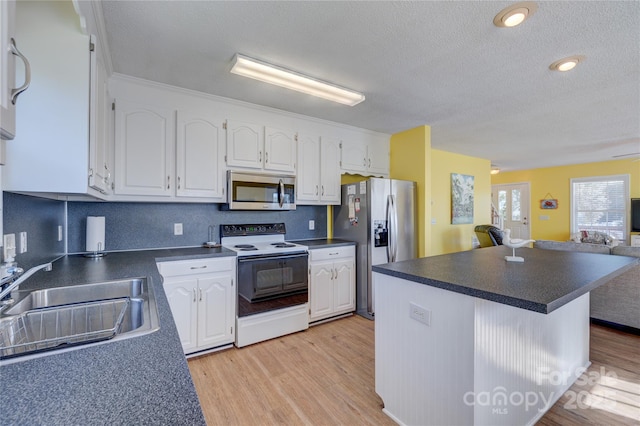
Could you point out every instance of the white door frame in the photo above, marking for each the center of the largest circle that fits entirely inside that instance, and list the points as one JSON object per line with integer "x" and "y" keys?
{"x": 524, "y": 228}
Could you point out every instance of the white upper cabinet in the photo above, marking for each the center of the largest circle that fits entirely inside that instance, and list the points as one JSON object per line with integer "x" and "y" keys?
{"x": 200, "y": 155}
{"x": 245, "y": 144}
{"x": 145, "y": 140}
{"x": 329, "y": 170}
{"x": 7, "y": 72}
{"x": 308, "y": 182}
{"x": 50, "y": 153}
{"x": 279, "y": 150}
{"x": 258, "y": 147}
{"x": 100, "y": 125}
{"x": 318, "y": 172}
{"x": 368, "y": 157}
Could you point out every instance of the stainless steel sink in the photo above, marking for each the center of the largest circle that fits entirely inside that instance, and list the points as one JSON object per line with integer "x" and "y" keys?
{"x": 61, "y": 317}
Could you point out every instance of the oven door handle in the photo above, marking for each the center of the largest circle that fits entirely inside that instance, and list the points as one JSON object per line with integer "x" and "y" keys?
{"x": 245, "y": 259}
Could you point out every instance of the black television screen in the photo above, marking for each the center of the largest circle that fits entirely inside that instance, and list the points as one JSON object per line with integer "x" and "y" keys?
{"x": 635, "y": 215}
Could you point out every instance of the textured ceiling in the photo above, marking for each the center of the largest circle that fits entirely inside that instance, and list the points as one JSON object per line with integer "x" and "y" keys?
{"x": 485, "y": 91}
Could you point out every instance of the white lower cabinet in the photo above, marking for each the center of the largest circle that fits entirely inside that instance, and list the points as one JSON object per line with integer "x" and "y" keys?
{"x": 202, "y": 297}
{"x": 332, "y": 282}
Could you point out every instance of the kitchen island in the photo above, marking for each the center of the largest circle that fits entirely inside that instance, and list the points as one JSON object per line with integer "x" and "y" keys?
{"x": 141, "y": 380}
{"x": 468, "y": 338}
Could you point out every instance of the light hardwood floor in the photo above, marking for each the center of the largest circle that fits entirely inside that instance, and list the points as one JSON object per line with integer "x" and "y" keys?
{"x": 325, "y": 376}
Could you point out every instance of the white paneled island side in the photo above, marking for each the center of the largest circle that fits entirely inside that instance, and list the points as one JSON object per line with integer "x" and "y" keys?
{"x": 467, "y": 338}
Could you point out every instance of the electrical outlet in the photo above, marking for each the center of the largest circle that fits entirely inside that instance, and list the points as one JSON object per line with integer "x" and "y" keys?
{"x": 59, "y": 232}
{"x": 23, "y": 242}
{"x": 419, "y": 313}
{"x": 177, "y": 229}
{"x": 9, "y": 251}
{"x": 312, "y": 225}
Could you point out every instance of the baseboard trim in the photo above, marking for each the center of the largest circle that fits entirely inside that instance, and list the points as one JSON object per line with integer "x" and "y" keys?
{"x": 619, "y": 327}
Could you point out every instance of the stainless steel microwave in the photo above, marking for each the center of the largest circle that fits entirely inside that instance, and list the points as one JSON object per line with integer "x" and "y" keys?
{"x": 256, "y": 191}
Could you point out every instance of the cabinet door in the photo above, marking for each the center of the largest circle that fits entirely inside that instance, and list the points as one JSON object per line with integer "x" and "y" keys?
{"x": 182, "y": 296}
{"x": 353, "y": 156}
{"x": 344, "y": 288}
{"x": 99, "y": 124}
{"x": 7, "y": 73}
{"x": 330, "y": 171}
{"x": 378, "y": 156}
{"x": 279, "y": 150}
{"x": 199, "y": 155}
{"x": 307, "y": 184}
{"x": 145, "y": 138}
{"x": 321, "y": 290}
{"x": 245, "y": 142}
{"x": 215, "y": 314}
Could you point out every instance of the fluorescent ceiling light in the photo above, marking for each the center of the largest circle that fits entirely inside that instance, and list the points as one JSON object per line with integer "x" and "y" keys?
{"x": 252, "y": 68}
{"x": 515, "y": 14}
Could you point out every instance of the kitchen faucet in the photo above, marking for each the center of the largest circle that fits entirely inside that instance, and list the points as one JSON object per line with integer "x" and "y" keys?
{"x": 15, "y": 277}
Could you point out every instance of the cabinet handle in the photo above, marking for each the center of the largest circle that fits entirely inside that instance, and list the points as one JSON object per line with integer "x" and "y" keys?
{"x": 364, "y": 162}
{"x": 194, "y": 295}
{"x": 27, "y": 73}
{"x": 369, "y": 162}
{"x": 199, "y": 267}
{"x": 178, "y": 182}
{"x": 266, "y": 157}
{"x": 200, "y": 290}
{"x": 108, "y": 174}
{"x": 323, "y": 190}
{"x": 259, "y": 156}
{"x": 331, "y": 273}
{"x": 334, "y": 254}
{"x": 316, "y": 189}
{"x": 168, "y": 182}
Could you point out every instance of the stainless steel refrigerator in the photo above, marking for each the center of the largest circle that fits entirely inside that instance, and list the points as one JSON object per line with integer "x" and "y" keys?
{"x": 380, "y": 216}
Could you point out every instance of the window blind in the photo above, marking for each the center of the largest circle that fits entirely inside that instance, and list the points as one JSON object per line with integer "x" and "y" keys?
{"x": 600, "y": 204}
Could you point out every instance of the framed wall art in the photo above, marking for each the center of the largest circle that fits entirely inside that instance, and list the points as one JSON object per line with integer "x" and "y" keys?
{"x": 461, "y": 198}
{"x": 548, "y": 202}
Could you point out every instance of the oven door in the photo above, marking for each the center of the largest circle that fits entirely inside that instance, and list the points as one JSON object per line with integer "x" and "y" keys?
{"x": 272, "y": 276}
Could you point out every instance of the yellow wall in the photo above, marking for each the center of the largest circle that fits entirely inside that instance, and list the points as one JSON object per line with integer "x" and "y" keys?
{"x": 410, "y": 159}
{"x": 556, "y": 181}
{"x": 445, "y": 237}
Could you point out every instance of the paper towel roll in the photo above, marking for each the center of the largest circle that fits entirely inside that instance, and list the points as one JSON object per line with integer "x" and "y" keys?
{"x": 95, "y": 233}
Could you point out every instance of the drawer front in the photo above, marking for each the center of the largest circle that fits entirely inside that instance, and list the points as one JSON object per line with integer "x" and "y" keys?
{"x": 331, "y": 253}
{"x": 196, "y": 266}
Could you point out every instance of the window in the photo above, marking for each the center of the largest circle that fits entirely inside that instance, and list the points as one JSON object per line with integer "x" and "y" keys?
{"x": 600, "y": 204}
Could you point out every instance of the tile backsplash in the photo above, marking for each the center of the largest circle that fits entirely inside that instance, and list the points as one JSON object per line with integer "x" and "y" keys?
{"x": 133, "y": 226}
{"x": 39, "y": 218}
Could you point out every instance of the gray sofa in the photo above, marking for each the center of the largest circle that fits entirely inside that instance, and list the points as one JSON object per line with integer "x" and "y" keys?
{"x": 617, "y": 301}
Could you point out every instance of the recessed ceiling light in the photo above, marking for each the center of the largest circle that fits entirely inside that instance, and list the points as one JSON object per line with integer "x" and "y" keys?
{"x": 494, "y": 170}
{"x": 567, "y": 64}
{"x": 515, "y": 14}
{"x": 262, "y": 71}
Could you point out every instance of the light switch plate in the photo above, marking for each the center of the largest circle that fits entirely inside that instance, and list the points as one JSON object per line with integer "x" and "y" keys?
{"x": 312, "y": 225}
{"x": 177, "y": 229}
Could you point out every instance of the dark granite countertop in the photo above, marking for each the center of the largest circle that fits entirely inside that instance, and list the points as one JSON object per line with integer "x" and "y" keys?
{"x": 545, "y": 281}
{"x": 324, "y": 243}
{"x": 141, "y": 380}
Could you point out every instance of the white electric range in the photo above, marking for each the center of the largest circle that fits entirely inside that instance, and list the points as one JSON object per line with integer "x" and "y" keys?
{"x": 272, "y": 277}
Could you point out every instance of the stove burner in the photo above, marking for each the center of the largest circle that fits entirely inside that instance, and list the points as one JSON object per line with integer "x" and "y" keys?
{"x": 245, "y": 246}
{"x": 282, "y": 245}
{"x": 248, "y": 248}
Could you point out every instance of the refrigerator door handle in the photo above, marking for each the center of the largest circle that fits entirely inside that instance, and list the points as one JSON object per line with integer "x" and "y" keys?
{"x": 393, "y": 230}
{"x": 389, "y": 240}
{"x": 392, "y": 224}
